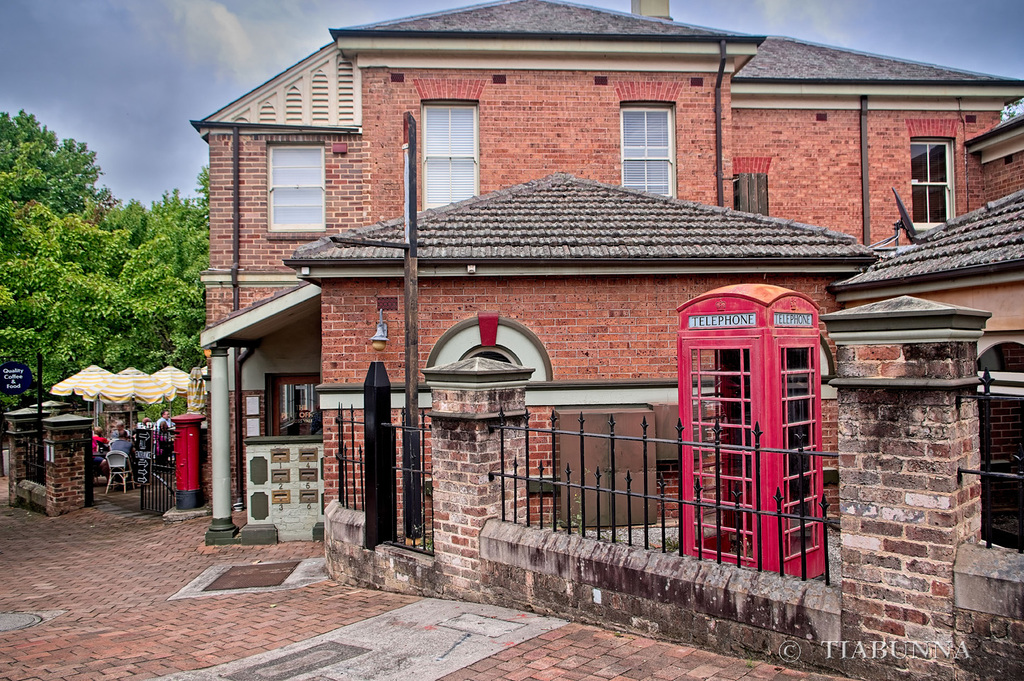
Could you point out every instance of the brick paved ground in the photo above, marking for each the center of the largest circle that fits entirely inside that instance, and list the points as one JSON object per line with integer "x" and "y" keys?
{"x": 112, "y": 573}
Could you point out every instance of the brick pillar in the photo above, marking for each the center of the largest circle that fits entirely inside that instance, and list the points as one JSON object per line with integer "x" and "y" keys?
{"x": 904, "y": 366}
{"x": 466, "y": 399}
{"x": 68, "y": 444}
{"x": 22, "y": 428}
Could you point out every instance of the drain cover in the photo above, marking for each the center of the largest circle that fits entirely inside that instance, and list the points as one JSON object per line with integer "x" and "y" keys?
{"x": 253, "y": 576}
{"x": 9, "y": 621}
{"x": 302, "y": 662}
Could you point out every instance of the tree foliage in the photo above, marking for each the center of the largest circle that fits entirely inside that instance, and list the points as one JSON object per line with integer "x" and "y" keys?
{"x": 85, "y": 279}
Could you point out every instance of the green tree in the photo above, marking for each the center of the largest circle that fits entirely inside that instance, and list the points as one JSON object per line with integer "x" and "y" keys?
{"x": 87, "y": 280}
{"x": 61, "y": 174}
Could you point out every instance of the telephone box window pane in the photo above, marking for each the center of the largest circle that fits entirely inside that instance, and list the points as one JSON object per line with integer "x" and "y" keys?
{"x": 798, "y": 358}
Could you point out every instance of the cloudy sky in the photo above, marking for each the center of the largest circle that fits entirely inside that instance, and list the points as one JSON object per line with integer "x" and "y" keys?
{"x": 126, "y": 76}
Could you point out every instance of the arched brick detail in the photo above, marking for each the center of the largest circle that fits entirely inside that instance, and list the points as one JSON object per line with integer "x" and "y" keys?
{"x": 449, "y": 88}
{"x": 932, "y": 127}
{"x": 647, "y": 91}
{"x": 751, "y": 164}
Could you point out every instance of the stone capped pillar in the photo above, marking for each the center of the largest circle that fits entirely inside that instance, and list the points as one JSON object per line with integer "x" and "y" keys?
{"x": 466, "y": 399}
{"x": 68, "y": 446}
{"x": 904, "y": 367}
{"x": 22, "y": 427}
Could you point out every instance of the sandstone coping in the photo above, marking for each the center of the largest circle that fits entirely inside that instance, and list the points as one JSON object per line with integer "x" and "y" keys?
{"x": 905, "y": 319}
{"x": 989, "y": 580}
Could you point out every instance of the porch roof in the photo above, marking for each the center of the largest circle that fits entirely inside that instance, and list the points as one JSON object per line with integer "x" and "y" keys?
{"x": 251, "y": 323}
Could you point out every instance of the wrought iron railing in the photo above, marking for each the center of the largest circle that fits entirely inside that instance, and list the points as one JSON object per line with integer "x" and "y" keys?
{"x": 1002, "y": 466}
{"x": 406, "y": 510}
{"x": 540, "y": 496}
{"x": 35, "y": 462}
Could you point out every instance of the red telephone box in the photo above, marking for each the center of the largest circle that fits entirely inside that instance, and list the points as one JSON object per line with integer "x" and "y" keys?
{"x": 748, "y": 359}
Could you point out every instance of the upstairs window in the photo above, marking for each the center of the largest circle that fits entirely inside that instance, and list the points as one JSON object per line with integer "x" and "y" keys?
{"x": 648, "y": 150}
{"x": 450, "y": 154}
{"x": 931, "y": 177}
{"x": 296, "y": 188}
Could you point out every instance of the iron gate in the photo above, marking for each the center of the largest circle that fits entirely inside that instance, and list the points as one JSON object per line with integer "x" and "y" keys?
{"x": 154, "y": 469}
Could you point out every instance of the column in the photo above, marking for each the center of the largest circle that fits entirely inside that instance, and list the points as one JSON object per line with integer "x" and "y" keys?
{"x": 466, "y": 398}
{"x": 222, "y": 530}
{"x": 68, "y": 445}
{"x": 905, "y": 369}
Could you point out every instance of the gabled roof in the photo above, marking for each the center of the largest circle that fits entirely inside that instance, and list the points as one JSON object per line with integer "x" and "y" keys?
{"x": 539, "y": 18}
{"x": 566, "y": 218}
{"x": 990, "y": 239}
{"x": 781, "y": 59}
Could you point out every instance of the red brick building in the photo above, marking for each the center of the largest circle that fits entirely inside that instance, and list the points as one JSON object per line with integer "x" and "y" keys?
{"x": 511, "y": 92}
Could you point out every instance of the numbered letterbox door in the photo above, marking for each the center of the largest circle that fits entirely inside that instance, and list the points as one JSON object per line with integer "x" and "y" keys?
{"x": 749, "y": 384}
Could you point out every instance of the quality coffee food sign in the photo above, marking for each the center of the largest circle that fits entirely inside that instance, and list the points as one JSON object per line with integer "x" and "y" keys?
{"x": 15, "y": 378}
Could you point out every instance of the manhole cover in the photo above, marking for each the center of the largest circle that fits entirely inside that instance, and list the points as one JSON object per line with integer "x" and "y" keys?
{"x": 253, "y": 576}
{"x": 9, "y": 621}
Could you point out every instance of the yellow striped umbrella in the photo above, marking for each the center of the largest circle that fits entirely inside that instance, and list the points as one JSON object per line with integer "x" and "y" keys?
{"x": 132, "y": 384}
{"x": 174, "y": 376}
{"x": 196, "y": 391}
{"x": 85, "y": 381}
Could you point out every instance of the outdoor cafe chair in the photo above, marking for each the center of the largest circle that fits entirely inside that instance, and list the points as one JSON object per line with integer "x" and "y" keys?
{"x": 120, "y": 470}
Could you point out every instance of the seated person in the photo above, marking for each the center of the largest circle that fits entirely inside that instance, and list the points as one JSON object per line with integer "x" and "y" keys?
{"x": 121, "y": 443}
{"x": 99, "y": 449}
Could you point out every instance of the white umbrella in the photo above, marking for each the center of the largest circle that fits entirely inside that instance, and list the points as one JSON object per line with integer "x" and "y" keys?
{"x": 132, "y": 384}
{"x": 175, "y": 376}
{"x": 84, "y": 382}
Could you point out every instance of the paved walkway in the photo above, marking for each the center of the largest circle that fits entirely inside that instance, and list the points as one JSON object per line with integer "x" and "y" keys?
{"x": 100, "y": 582}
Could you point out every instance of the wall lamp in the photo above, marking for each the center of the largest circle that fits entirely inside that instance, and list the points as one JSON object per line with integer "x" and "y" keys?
{"x": 380, "y": 339}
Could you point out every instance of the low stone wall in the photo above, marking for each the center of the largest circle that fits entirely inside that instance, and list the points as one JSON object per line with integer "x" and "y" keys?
{"x": 989, "y": 611}
{"x": 719, "y": 607}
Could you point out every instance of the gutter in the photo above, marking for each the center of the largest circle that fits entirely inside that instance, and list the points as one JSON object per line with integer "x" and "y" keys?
{"x": 339, "y": 33}
{"x": 277, "y": 127}
{"x": 719, "y": 161}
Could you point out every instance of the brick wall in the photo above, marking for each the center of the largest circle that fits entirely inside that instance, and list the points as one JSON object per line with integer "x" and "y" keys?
{"x": 540, "y": 122}
{"x": 592, "y": 327}
{"x": 260, "y": 248}
{"x": 815, "y": 173}
{"x": 1002, "y": 176}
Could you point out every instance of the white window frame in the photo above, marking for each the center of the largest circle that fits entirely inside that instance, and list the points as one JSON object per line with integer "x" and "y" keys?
{"x": 948, "y": 184}
{"x": 274, "y": 194}
{"x": 435, "y": 195}
{"x": 646, "y": 153}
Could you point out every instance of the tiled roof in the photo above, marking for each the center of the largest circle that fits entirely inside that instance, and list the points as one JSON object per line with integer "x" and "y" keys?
{"x": 989, "y": 238}
{"x": 561, "y": 217}
{"x": 787, "y": 59}
{"x": 540, "y": 17}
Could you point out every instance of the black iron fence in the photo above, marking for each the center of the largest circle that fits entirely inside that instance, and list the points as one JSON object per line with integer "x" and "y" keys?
{"x": 732, "y": 522}
{"x": 35, "y": 462}
{"x": 1001, "y": 419}
{"x": 396, "y": 491}
{"x": 154, "y": 469}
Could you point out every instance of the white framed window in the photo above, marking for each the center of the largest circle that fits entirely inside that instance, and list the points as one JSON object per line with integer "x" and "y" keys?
{"x": 648, "y": 149}
{"x": 931, "y": 178}
{"x": 296, "y": 188}
{"x": 451, "y": 153}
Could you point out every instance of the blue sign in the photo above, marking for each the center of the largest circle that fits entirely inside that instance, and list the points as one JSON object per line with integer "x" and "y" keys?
{"x": 15, "y": 378}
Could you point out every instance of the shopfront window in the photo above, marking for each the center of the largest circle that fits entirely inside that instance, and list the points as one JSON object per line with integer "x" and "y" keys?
{"x": 296, "y": 410}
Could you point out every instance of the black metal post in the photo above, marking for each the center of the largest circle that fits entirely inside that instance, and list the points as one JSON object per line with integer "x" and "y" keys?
{"x": 379, "y": 457}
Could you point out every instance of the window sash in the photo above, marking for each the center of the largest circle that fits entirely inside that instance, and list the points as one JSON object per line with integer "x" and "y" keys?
{"x": 931, "y": 177}
{"x": 647, "y": 142}
{"x": 296, "y": 188}
{"x": 450, "y": 154}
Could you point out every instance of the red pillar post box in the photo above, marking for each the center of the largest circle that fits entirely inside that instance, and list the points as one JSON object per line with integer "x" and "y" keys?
{"x": 186, "y": 456}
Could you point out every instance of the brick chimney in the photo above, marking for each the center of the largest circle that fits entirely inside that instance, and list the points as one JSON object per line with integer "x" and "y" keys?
{"x": 651, "y": 8}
